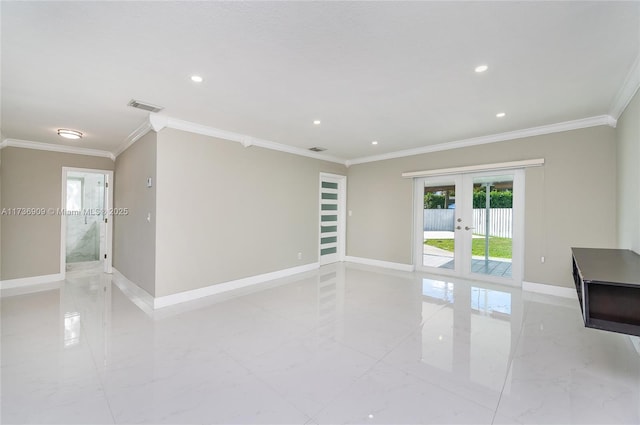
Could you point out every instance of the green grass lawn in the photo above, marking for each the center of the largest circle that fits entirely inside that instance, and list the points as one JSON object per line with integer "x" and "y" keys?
{"x": 498, "y": 247}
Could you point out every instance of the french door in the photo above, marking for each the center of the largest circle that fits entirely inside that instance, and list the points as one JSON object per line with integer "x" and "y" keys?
{"x": 471, "y": 225}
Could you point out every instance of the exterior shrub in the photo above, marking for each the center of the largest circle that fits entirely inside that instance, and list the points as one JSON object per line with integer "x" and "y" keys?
{"x": 498, "y": 199}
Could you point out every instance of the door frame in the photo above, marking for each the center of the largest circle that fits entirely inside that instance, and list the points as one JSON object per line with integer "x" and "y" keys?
{"x": 108, "y": 206}
{"x": 342, "y": 215}
{"x": 462, "y": 247}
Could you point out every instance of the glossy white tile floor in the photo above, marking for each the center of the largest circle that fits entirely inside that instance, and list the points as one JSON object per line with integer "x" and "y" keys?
{"x": 347, "y": 344}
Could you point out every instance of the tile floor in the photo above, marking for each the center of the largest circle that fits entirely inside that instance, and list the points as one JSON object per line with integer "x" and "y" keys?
{"x": 346, "y": 344}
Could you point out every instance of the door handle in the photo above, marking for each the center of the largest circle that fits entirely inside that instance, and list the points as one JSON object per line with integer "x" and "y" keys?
{"x": 468, "y": 228}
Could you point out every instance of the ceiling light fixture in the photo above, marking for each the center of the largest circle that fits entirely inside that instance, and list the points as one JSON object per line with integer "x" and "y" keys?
{"x": 197, "y": 79}
{"x": 481, "y": 68}
{"x": 316, "y": 122}
{"x": 375, "y": 142}
{"x": 501, "y": 114}
{"x": 69, "y": 134}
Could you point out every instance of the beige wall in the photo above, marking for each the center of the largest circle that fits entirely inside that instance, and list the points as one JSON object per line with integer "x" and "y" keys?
{"x": 221, "y": 212}
{"x": 33, "y": 179}
{"x": 571, "y": 201}
{"x": 226, "y": 212}
{"x": 134, "y": 237}
{"x": 0, "y": 214}
{"x": 628, "y": 138}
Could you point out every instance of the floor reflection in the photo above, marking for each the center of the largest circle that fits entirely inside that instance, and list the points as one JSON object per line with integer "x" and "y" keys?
{"x": 71, "y": 329}
{"x": 344, "y": 344}
{"x": 330, "y": 284}
{"x": 469, "y": 330}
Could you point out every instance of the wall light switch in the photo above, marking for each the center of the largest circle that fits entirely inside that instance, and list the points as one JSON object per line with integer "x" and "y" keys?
{"x": 149, "y": 217}
{"x": 149, "y": 182}
{"x": 350, "y": 213}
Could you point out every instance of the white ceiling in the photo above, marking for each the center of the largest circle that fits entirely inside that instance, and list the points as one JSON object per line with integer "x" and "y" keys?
{"x": 400, "y": 73}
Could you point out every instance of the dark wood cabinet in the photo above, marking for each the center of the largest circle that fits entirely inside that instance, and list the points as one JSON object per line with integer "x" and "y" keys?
{"x": 608, "y": 286}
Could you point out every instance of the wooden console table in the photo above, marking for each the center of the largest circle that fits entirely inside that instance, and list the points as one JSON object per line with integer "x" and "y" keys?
{"x": 608, "y": 286}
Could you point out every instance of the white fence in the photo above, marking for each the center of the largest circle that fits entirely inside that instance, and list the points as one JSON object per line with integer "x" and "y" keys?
{"x": 439, "y": 220}
{"x": 500, "y": 221}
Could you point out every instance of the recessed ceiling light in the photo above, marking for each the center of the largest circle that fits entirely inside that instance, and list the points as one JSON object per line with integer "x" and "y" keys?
{"x": 501, "y": 114}
{"x": 375, "y": 142}
{"x": 69, "y": 134}
{"x": 481, "y": 68}
{"x": 316, "y": 122}
{"x": 196, "y": 79}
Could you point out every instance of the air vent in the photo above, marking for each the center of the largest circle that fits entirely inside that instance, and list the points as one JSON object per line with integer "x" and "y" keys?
{"x": 145, "y": 106}
{"x": 317, "y": 149}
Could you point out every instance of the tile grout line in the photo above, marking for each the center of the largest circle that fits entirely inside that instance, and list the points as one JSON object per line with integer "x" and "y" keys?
{"x": 378, "y": 361}
{"x": 504, "y": 384}
{"x": 93, "y": 360}
{"x": 240, "y": 363}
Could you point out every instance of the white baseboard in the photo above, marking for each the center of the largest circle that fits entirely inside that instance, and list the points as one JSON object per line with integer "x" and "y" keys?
{"x": 194, "y": 294}
{"x": 380, "y": 263}
{"x": 148, "y": 303}
{"x": 34, "y": 280}
{"x": 135, "y": 293}
{"x": 543, "y": 288}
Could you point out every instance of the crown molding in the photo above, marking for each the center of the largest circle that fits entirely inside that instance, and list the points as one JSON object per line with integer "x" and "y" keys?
{"x": 159, "y": 122}
{"x": 493, "y": 138}
{"x": 134, "y": 136}
{"x": 627, "y": 91}
{"x": 28, "y": 144}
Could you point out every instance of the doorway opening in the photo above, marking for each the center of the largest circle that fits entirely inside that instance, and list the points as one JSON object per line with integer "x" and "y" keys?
{"x": 85, "y": 220}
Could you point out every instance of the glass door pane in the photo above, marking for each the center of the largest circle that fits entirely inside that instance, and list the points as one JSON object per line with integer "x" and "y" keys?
{"x": 492, "y": 226}
{"x": 439, "y": 222}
